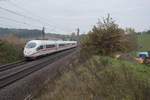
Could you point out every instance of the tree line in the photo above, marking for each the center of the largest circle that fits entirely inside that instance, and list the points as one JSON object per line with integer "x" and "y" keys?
{"x": 26, "y": 33}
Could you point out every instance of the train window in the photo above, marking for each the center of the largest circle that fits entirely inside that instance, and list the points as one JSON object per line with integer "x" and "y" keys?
{"x": 68, "y": 44}
{"x": 50, "y": 46}
{"x": 39, "y": 48}
{"x": 31, "y": 45}
{"x": 61, "y": 45}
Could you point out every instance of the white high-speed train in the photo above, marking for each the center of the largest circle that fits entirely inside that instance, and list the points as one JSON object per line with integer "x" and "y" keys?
{"x": 36, "y": 48}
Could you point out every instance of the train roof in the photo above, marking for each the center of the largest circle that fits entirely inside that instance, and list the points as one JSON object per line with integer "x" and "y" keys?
{"x": 51, "y": 41}
{"x": 42, "y": 41}
{"x": 59, "y": 42}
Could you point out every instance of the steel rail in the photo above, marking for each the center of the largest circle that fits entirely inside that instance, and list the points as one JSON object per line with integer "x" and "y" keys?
{"x": 12, "y": 78}
{"x": 12, "y": 65}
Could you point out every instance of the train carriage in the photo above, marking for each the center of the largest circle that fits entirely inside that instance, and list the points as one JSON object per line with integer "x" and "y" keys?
{"x": 36, "y": 48}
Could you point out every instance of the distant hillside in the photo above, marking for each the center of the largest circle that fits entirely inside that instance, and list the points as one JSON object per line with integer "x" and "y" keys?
{"x": 23, "y": 33}
{"x": 26, "y": 33}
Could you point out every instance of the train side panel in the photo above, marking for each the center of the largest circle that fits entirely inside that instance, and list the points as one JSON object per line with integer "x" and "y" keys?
{"x": 37, "y": 48}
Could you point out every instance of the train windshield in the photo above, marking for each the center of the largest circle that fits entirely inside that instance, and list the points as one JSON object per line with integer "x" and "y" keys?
{"x": 31, "y": 45}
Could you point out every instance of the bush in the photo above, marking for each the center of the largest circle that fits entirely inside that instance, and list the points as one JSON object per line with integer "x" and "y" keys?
{"x": 106, "y": 39}
{"x": 11, "y": 49}
{"x": 132, "y": 38}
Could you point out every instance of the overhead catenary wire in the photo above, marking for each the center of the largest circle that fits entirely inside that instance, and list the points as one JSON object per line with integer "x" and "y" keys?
{"x": 19, "y": 14}
{"x": 16, "y": 21}
{"x": 27, "y": 17}
{"x": 42, "y": 19}
{"x": 10, "y": 26}
{"x": 22, "y": 15}
{"x": 13, "y": 12}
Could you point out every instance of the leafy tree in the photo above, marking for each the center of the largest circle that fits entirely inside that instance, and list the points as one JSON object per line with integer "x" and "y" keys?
{"x": 106, "y": 39}
{"x": 131, "y": 35}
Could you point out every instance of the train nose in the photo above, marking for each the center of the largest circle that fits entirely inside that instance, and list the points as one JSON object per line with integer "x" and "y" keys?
{"x": 27, "y": 52}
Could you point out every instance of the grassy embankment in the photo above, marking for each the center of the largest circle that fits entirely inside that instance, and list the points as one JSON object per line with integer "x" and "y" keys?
{"x": 102, "y": 78}
{"x": 11, "y": 49}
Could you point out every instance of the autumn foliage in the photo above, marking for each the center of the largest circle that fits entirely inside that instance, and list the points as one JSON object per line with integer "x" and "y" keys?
{"x": 106, "y": 38}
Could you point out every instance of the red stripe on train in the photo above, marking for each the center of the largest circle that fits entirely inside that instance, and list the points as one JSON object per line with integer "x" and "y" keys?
{"x": 48, "y": 49}
{"x": 43, "y": 50}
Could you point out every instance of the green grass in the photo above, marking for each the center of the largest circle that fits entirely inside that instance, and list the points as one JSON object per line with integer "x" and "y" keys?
{"x": 144, "y": 46}
{"x": 144, "y": 42}
{"x": 137, "y": 69}
{"x": 102, "y": 78}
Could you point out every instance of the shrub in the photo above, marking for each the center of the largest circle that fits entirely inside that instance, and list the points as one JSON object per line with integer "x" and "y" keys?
{"x": 11, "y": 49}
{"x": 132, "y": 38}
{"x": 106, "y": 39}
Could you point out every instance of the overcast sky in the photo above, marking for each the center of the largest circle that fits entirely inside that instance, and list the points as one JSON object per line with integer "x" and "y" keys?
{"x": 64, "y": 16}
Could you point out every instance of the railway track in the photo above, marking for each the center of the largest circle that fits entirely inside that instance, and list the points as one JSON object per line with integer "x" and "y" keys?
{"x": 12, "y": 65}
{"x": 14, "y": 76}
